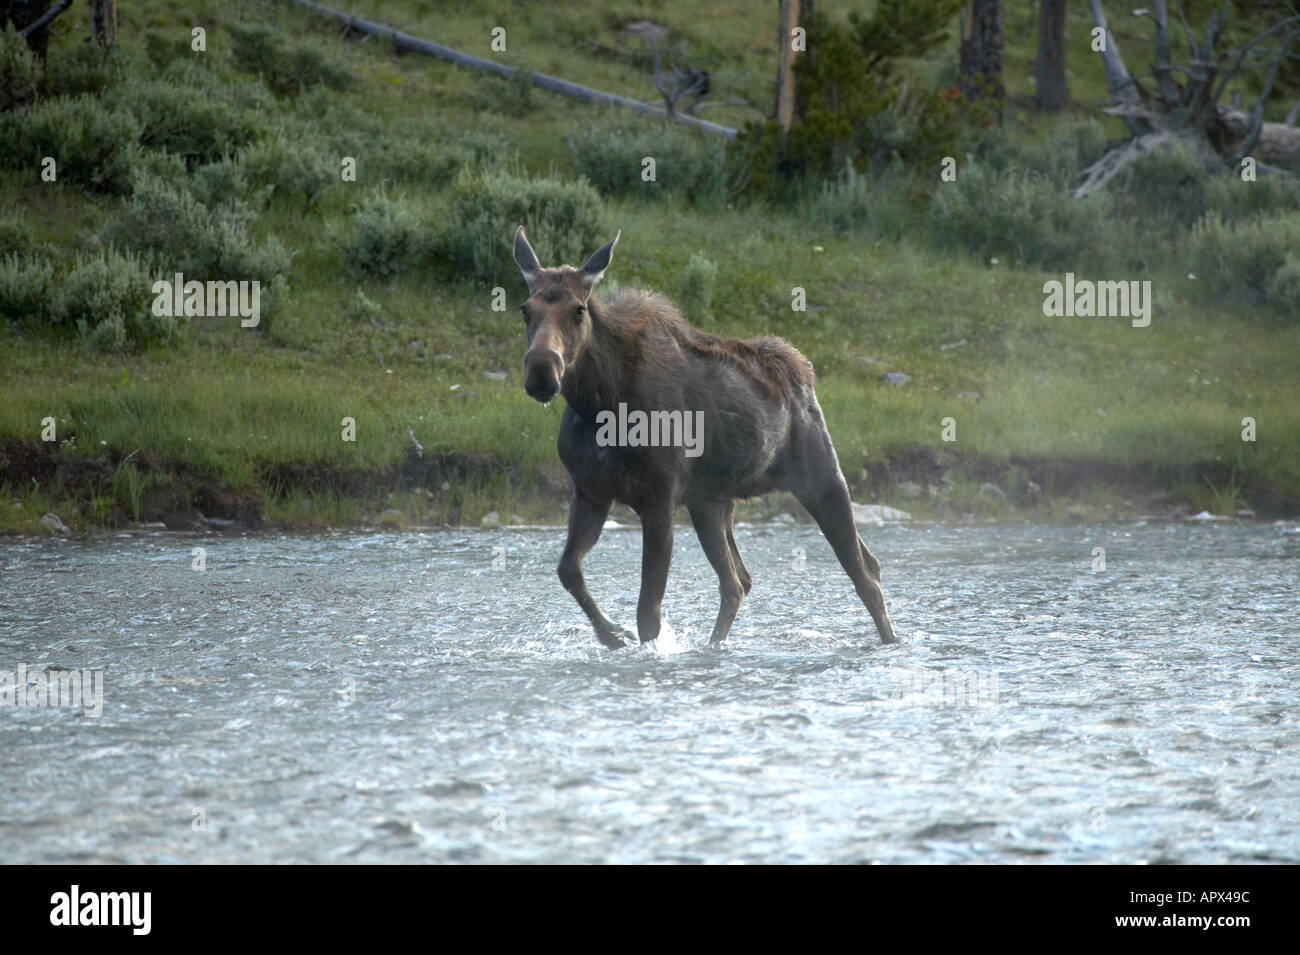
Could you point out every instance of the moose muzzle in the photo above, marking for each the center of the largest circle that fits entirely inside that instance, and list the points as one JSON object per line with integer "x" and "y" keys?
{"x": 543, "y": 370}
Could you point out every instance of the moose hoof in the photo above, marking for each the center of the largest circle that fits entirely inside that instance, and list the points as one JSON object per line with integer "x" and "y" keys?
{"x": 614, "y": 638}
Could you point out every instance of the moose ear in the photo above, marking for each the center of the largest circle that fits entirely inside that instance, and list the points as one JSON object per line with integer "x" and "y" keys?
{"x": 599, "y": 262}
{"x": 525, "y": 257}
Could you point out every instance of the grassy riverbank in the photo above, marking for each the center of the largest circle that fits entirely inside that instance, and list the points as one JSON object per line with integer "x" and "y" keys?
{"x": 1055, "y": 418}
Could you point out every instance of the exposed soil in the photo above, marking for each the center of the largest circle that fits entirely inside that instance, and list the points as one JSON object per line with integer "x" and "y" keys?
{"x": 1025, "y": 481}
{"x": 176, "y": 495}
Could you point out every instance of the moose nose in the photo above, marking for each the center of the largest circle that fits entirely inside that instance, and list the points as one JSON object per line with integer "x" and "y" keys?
{"x": 542, "y": 374}
{"x": 542, "y": 391}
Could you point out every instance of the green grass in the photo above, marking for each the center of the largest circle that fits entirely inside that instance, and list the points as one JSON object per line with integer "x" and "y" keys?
{"x": 299, "y": 509}
{"x": 226, "y": 402}
{"x": 22, "y": 509}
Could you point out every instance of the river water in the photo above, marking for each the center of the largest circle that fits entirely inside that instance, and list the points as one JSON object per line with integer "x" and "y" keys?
{"x": 436, "y": 696}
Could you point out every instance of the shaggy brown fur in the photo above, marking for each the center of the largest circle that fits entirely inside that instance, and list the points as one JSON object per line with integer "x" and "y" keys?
{"x": 639, "y": 315}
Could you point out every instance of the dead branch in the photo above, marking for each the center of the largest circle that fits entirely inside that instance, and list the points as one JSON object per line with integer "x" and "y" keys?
{"x": 669, "y": 97}
{"x": 702, "y": 104}
{"x": 1227, "y": 75}
{"x": 690, "y": 85}
{"x": 1117, "y": 160}
{"x": 1119, "y": 81}
{"x": 1192, "y": 112}
{"x": 1257, "y": 114}
{"x": 1164, "y": 82}
{"x": 1187, "y": 30}
{"x": 586, "y": 94}
{"x": 45, "y": 20}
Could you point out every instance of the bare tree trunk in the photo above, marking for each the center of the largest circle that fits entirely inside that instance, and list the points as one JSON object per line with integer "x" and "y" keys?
{"x": 1049, "y": 76}
{"x": 789, "y": 107}
{"x": 1275, "y": 144}
{"x": 103, "y": 22}
{"x": 785, "y": 64}
{"x": 981, "y": 50}
{"x": 1119, "y": 83}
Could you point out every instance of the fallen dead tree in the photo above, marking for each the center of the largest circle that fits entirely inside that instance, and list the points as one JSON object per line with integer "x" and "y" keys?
{"x": 405, "y": 41}
{"x": 1190, "y": 111}
{"x": 45, "y": 20}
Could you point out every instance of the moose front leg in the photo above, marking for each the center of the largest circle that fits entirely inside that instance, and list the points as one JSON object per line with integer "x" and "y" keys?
{"x": 656, "y": 556}
{"x": 586, "y": 519}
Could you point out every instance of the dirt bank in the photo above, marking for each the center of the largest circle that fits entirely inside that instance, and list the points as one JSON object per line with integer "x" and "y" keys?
{"x": 88, "y": 491}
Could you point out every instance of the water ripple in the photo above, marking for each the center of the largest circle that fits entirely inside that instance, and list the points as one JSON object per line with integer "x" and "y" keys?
{"x": 406, "y": 698}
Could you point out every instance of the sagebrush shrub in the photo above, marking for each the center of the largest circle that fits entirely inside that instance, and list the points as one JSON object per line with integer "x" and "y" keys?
{"x": 689, "y": 164}
{"x": 1235, "y": 199}
{"x": 167, "y": 48}
{"x": 92, "y": 143}
{"x": 1167, "y": 185}
{"x": 339, "y": 125}
{"x": 695, "y": 292}
{"x": 425, "y": 164}
{"x": 16, "y": 236}
{"x": 881, "y": 204}
{"x": 25, "y": 285}
{"x": 512, "y": 95}
{"x": 488, "y": 148}
{"x": 1057, "y": 158}
{"x": 190, "y": 116}
{"x": 164, "y": 219}
{"x": 563, "y": 221}
{"x": 361, "y": 308}
{"x": 20, "y": 70}
{"x": 286, "y": 67}
{"x": 179, "y": 233}
{"x": 1025, "y": 217}
{"x": 1254, "y": 259}
{"x": 226, "y": 181}
{"x": 298, "y": 171}
{"x": 1283, "y": 289}
{"x": 161, "y": 165}
{"x": 1154, "y": 202}
{"x": 86, "y": 68}
{"x": 385, "y": 238}
{"x": 108, "y": 298}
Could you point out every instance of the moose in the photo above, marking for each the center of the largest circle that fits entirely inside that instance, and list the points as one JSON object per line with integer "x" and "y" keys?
{"x": 763, "y": 430}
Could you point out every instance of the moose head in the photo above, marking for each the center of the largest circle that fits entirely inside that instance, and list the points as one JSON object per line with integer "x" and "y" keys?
{"x": 556, "y": 315}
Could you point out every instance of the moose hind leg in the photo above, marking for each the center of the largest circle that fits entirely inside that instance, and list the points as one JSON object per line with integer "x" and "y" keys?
{"x": 586, "y": 519}
{"x": 712, "y": 526}
{"x": 833, "y": 511}
{"x": 873, "y": 565}
{"x": 746, "y": 578}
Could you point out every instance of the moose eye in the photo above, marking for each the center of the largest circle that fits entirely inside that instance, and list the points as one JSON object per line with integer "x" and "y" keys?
{"x": 581, "y": 309}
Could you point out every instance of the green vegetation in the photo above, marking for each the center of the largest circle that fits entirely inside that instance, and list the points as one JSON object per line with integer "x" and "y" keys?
{"x": 106, "y": 298}
{"x": 860, "y": 111}
{"x": 378, "y": 294}
{"x": 20, "y": 71}
{"x": 562, "y": 217}
{"x": 612, "y": 154}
